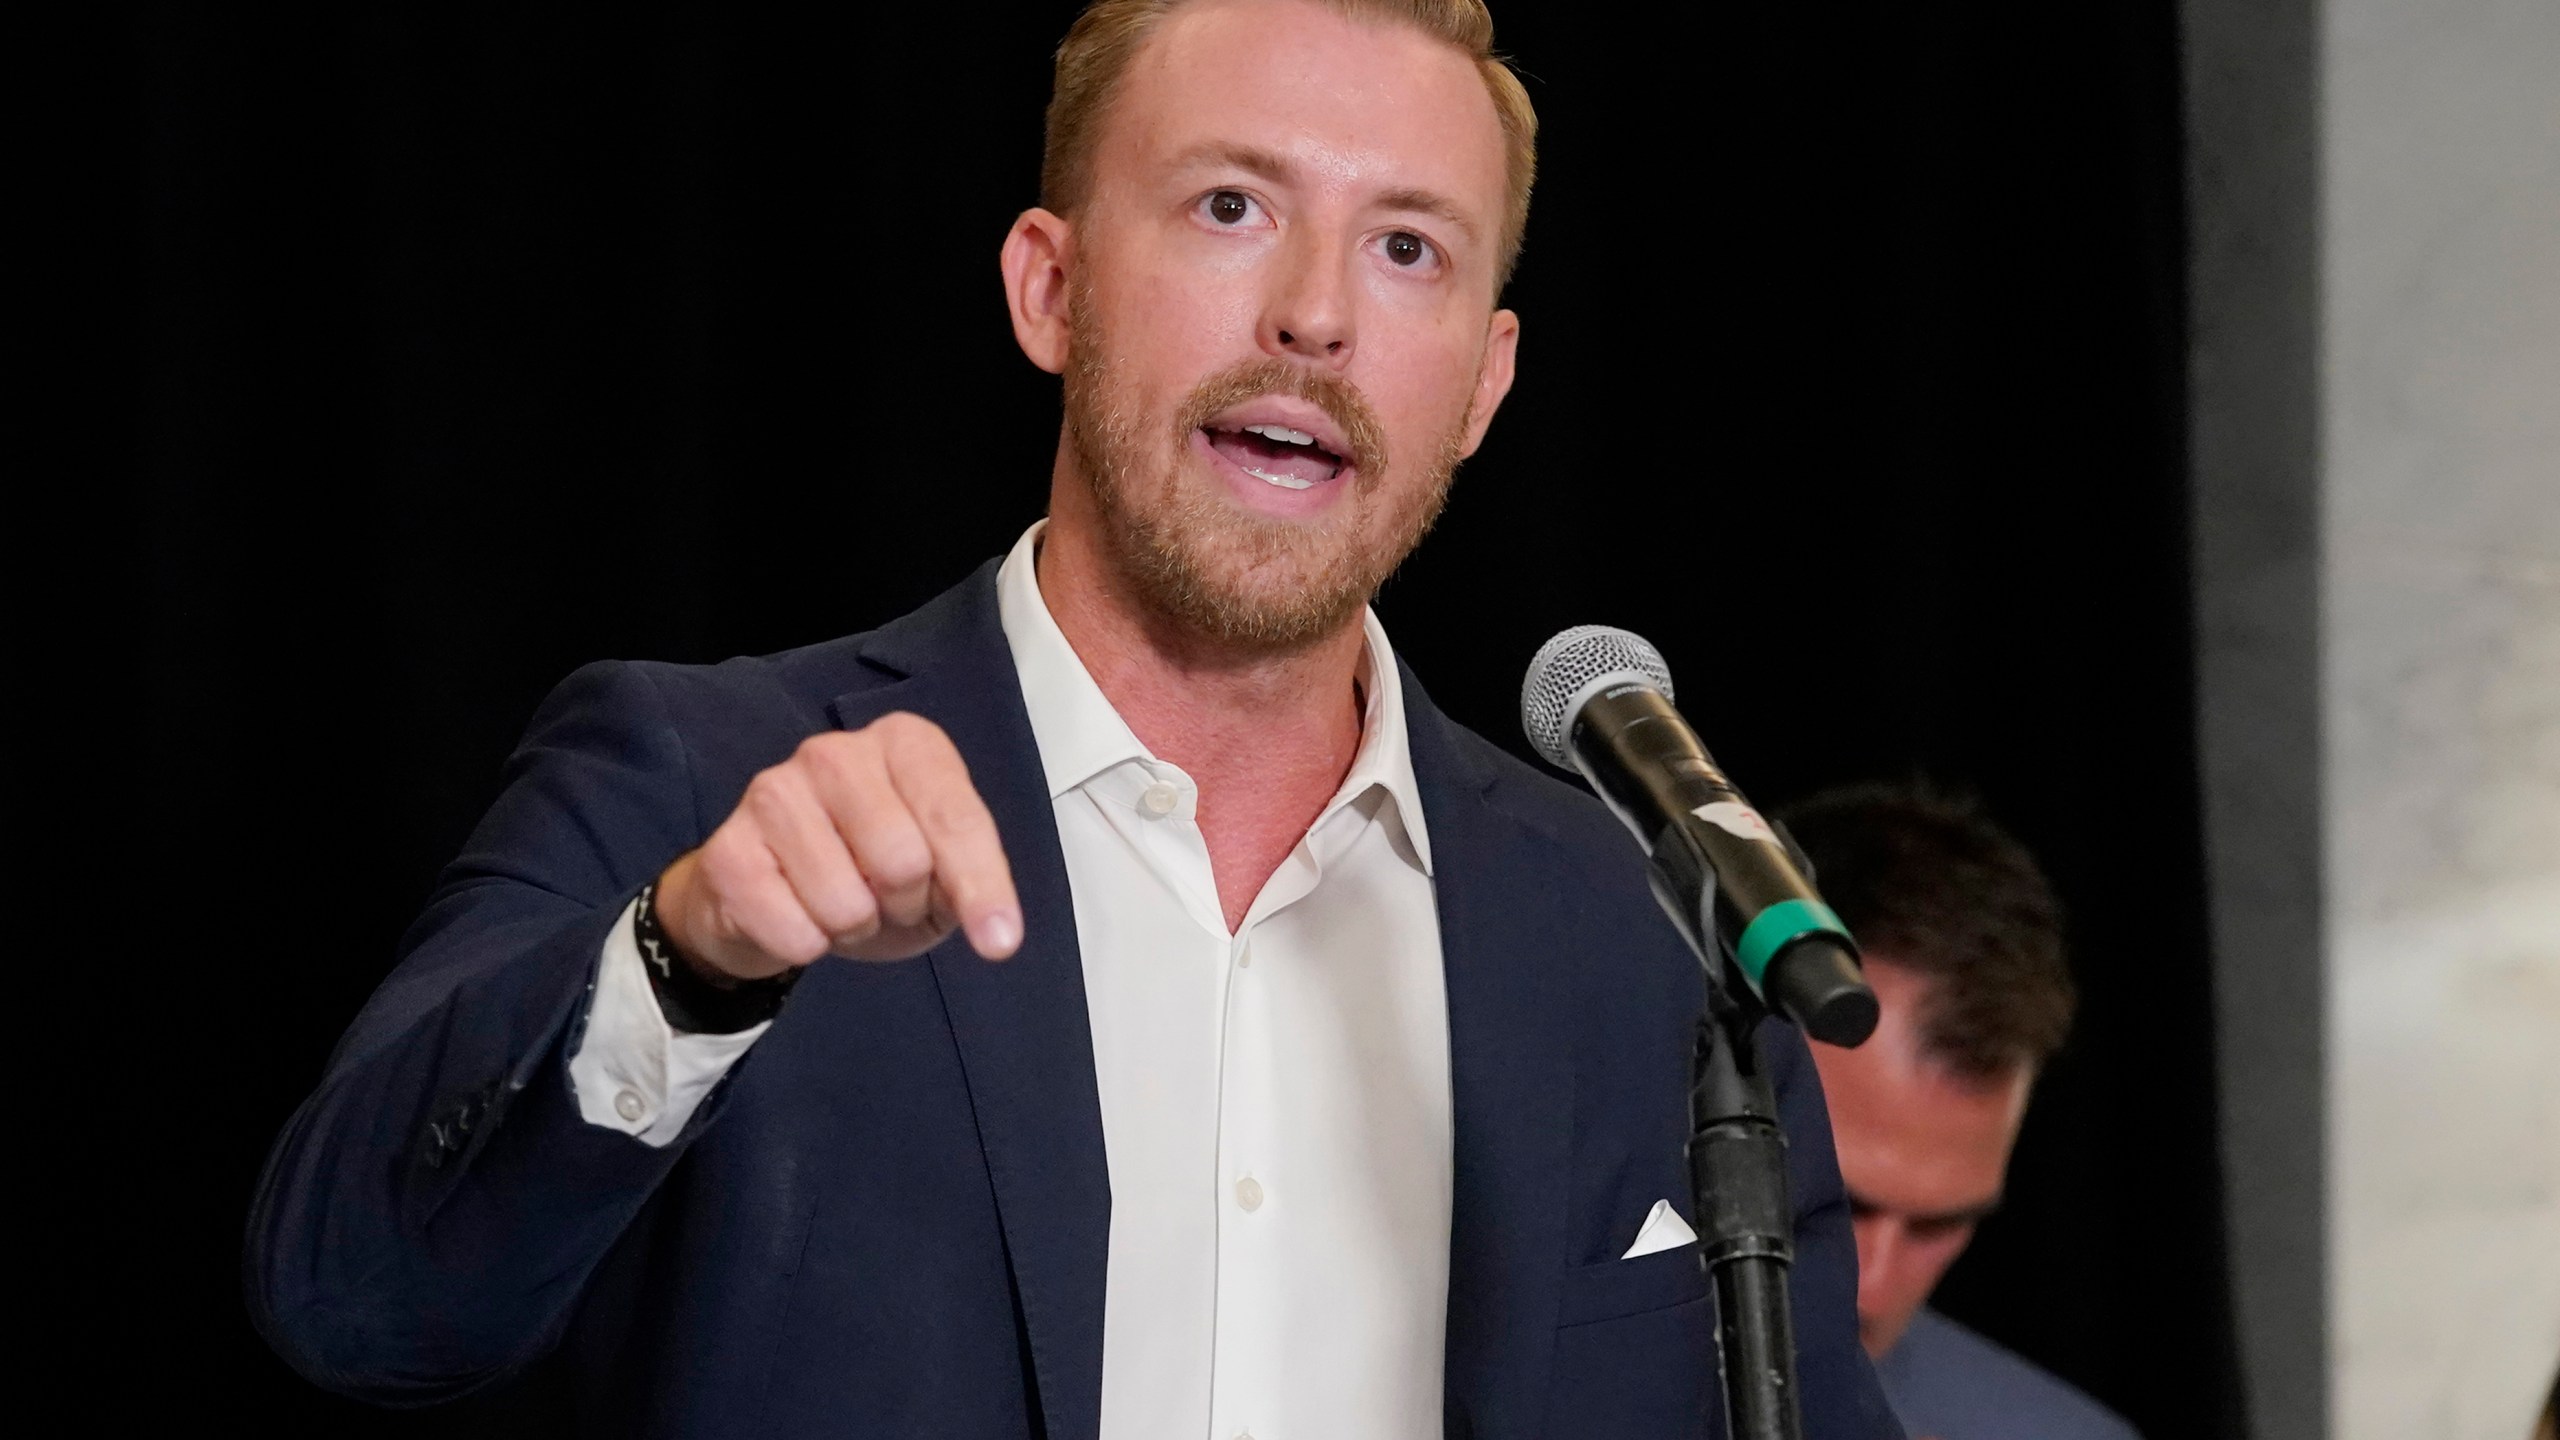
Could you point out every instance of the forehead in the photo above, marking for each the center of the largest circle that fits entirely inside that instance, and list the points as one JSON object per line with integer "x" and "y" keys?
{"x": 1912, "y": 1137}
{"x": 1353, "y": 104}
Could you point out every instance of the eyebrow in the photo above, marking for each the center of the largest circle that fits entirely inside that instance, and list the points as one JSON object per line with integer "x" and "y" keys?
{"x": 1266, "y": 165}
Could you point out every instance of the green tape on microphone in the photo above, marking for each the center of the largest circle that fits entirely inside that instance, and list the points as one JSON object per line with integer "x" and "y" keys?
{"x": 1780, "y": 926}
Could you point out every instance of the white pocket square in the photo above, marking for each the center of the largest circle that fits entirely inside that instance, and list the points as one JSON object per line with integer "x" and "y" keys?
{"x": 1663, "y": 1230}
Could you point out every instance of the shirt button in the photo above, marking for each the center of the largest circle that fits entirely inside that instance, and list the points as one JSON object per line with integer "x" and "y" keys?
{"x": 1244, "y": 958}
{"x": 1249, "y": 1193}
{"x": 628, "y": 1105}
{"x": 1160, "y": 799}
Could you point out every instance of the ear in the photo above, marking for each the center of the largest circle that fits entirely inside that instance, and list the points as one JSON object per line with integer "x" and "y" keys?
{"x": 1035, "y": 285}
{"x": 1493, "y": 375}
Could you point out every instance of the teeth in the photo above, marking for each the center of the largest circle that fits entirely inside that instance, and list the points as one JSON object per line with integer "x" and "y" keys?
{"x": 1286, "y": 482}
{"x": 1281, "y": 433}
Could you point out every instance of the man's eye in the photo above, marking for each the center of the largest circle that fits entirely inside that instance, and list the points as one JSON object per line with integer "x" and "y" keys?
{"x": 1230, "y": 207}
{"x": 1407, "y": 249}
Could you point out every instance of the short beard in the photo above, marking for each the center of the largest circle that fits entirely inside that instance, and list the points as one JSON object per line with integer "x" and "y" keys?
{"x": 1246, "y": 583}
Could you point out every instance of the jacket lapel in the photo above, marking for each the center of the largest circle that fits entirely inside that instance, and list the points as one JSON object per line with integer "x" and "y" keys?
{"x": 1025, "y": 1040}
{"x": 1512, "y": 1078}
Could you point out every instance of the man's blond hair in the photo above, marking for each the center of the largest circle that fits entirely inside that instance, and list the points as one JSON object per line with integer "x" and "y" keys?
{"x": 1108, "y": 34}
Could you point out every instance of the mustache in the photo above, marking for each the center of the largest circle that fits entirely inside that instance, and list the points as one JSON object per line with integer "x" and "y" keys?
{"x": 1339, "y": 399}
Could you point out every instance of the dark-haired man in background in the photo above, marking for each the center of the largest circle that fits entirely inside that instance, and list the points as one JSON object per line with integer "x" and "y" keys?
{"x": 1963, "y": 940}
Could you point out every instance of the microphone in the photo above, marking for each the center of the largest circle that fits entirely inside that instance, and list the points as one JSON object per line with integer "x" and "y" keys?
{"x": 1598, "y": 700}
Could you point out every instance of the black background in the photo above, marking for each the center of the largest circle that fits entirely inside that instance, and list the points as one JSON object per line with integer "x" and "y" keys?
{"x": 472, "y": 343}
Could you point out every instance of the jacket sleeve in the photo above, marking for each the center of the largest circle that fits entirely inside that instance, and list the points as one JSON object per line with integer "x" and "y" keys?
{"x": 1842, "y": 1400}
{"x": 429, "y": 1215}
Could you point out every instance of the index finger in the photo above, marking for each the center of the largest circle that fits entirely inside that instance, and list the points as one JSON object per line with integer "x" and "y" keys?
{"x": 969, "y": 863}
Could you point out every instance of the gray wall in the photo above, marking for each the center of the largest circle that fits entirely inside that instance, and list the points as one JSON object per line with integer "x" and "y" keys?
{"x": 2253, "y": 375}
{"x": 2375, "y": 215}
{"x": 2440, "y": 268}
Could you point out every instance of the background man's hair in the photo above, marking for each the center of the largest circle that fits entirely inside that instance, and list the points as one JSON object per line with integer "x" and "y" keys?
{"x": 1098, "y": 48}
{"x": 1925, "y": 880}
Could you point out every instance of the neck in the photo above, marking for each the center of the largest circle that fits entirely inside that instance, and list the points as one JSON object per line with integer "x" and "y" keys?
{"x": 1268, "y": 737}
{"x": 1202, "y": 705}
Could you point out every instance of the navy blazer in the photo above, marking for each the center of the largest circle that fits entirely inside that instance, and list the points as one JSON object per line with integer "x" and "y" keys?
{"x": 891, "y": 1217}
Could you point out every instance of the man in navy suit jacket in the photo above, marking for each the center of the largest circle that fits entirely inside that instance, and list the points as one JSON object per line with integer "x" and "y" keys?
{"x": 765, "y": 1057}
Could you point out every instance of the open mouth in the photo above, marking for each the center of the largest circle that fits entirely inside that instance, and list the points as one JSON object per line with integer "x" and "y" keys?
{"x": 1276, "y": 454}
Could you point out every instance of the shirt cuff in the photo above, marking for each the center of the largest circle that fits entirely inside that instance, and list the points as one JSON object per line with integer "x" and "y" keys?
{"x": 632, "y": 1072}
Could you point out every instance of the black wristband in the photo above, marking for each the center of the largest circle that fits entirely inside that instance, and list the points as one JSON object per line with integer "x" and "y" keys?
{"x": 693, "y": 1005}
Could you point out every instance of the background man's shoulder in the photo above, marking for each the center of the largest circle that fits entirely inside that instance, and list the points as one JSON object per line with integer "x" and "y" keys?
{"x": 1951, "y": 1383}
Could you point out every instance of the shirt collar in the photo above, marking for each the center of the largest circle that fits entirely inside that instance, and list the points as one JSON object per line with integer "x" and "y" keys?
{"x": 1080, "y": 735}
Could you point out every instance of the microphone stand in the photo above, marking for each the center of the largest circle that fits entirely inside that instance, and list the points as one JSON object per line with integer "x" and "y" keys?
{"x": 1737, "y": 1152}
{"x": 1738, "y": 1173}
{"x": 1741, "y": 893}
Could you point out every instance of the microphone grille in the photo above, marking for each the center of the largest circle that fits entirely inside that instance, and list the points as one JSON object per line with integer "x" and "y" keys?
{"x": 1574, "y": 666}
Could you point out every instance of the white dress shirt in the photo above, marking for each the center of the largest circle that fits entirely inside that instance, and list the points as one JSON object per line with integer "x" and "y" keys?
{"x": 1276, "y": 1109}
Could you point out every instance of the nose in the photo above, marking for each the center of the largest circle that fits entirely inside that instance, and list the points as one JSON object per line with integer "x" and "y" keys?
{"x": 1894, "y": 1276}
{"x": 1878, "y": 1241}
{"x": 1308, "y": 311}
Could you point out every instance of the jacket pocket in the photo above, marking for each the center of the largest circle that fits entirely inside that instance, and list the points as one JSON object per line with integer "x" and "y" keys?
{"x": 1633, "y": 1354}
{"x": 1616, "y": 1288}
